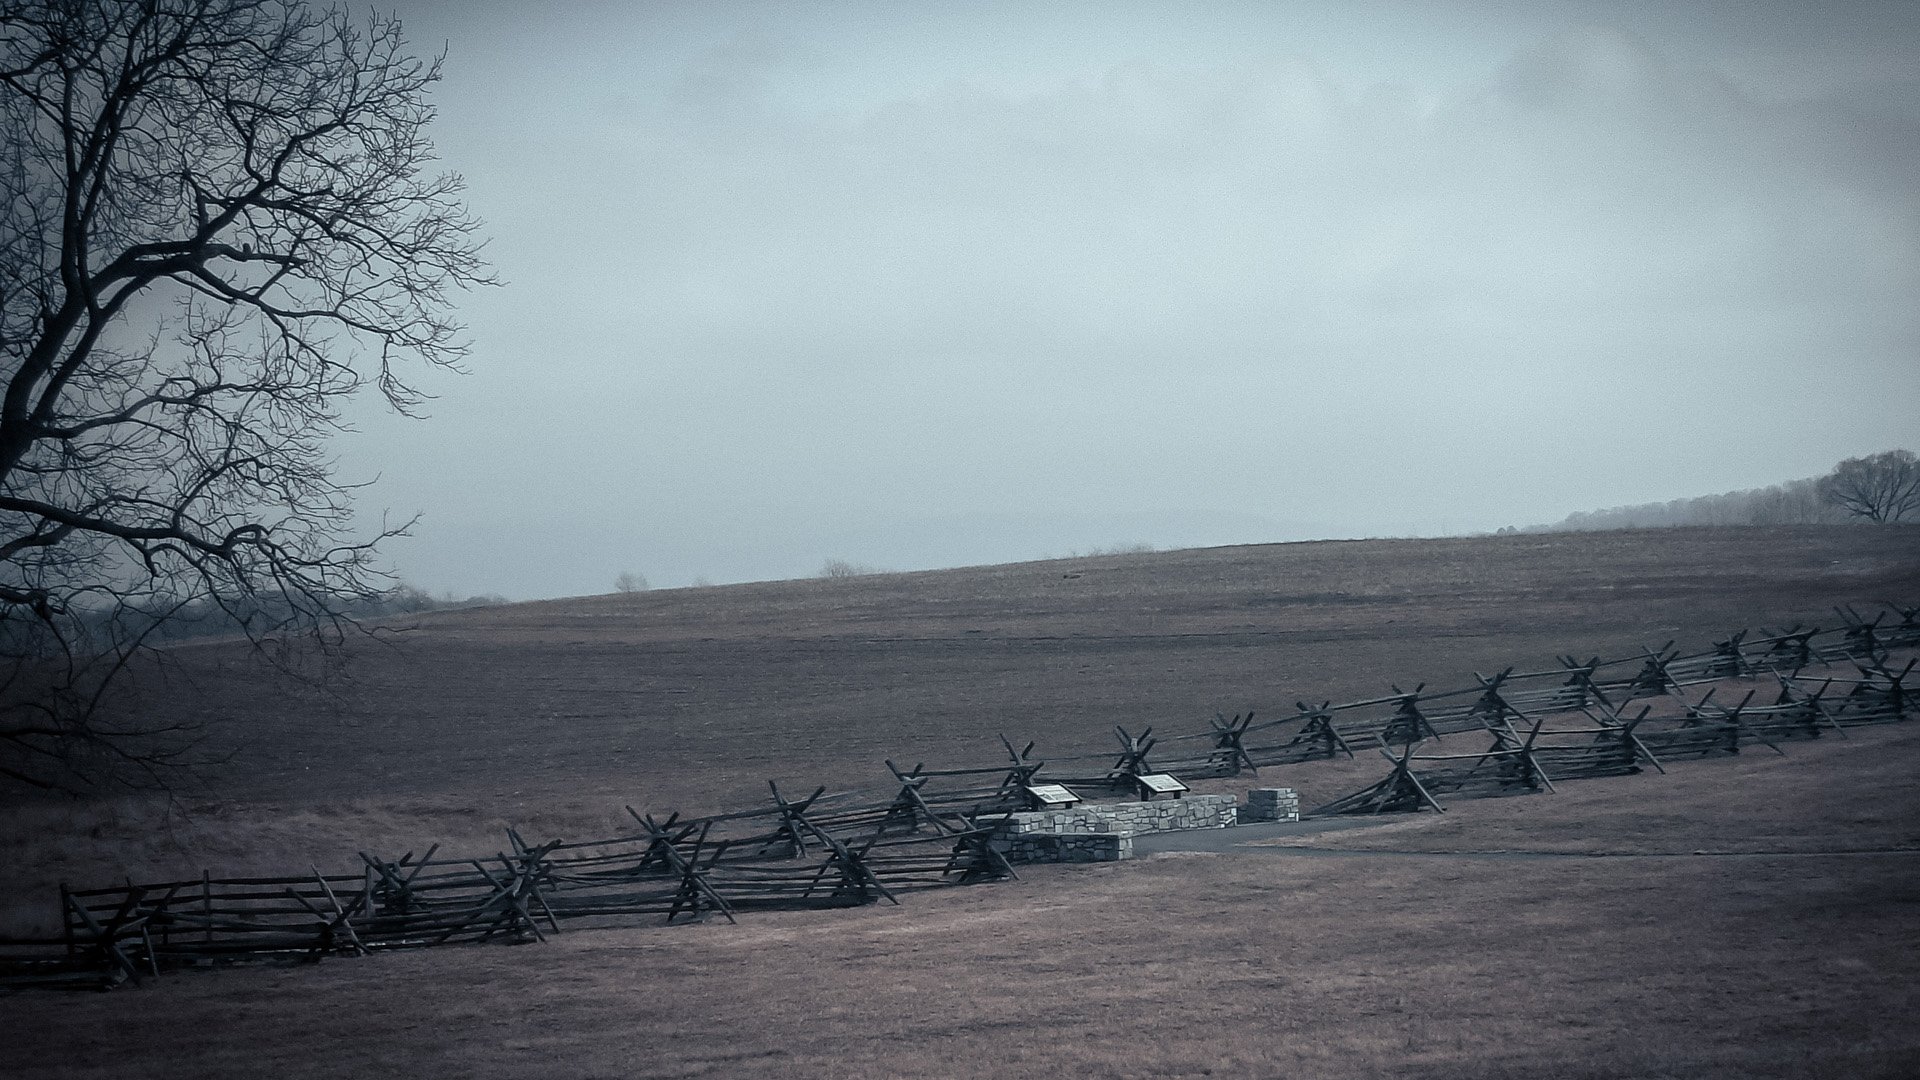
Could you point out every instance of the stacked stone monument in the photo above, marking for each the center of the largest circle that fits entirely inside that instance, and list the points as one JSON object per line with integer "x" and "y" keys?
{"x": 1271, "y": 804}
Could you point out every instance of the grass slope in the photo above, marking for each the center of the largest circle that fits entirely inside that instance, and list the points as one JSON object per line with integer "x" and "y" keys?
{"x": 1383, "y": 958}
{"x": 697, "y": 696}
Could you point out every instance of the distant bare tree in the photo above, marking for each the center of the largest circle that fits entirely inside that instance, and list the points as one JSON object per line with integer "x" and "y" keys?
{"x": 629, "y": 582}
{"x": 218, "y": 223}
{"x": 1880, "y": 487}
{"x": 1796, "y": 502}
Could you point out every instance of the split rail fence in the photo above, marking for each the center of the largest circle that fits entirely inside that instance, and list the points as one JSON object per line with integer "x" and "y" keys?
{"x": 822, "y": 851}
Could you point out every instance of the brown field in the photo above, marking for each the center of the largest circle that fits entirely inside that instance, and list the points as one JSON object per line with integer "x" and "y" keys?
{"x": 1749, "y": 916}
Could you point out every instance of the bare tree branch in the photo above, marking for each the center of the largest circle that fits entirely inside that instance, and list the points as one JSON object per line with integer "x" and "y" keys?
{"x": 220, "y": 220}
{"x": 1882, "y": 487}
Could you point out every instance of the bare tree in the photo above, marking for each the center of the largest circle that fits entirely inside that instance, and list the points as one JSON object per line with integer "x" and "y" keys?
{"x": 221, "y": 219}
{"x": 630, "y": 582}
{"x": 1881, "y": 487}
{"x": 1796, "y": 502}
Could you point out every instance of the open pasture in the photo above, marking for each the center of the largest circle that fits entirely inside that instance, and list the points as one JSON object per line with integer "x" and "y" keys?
{"x": 1755, "y": 915}
{"x": 693, "y": 698}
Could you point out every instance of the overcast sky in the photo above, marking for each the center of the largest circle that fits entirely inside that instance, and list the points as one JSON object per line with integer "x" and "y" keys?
{"x": 917, "y": 284}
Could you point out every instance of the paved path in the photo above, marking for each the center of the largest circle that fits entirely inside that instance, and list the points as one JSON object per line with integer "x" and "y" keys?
{"x": 1237, "y": 838}
{"x": 1240, "y": 840}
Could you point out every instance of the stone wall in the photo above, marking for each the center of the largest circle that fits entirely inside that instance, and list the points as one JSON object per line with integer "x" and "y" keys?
{"x": 1102, "y": 832}
{"x": 1065, "y": 847}
{"x": 1271, "y": 804}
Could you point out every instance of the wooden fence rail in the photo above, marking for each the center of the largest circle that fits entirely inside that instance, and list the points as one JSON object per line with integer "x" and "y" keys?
{"x": 1611, "y": 746}
{"x": 830, "y": 850}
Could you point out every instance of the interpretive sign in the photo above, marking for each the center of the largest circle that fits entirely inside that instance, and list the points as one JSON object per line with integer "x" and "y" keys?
{"x": 1160, "y": 784}
{"x": 1051, "y": 796}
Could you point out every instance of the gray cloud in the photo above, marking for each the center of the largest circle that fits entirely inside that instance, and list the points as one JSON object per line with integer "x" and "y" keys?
{"x": 774, "y": 300}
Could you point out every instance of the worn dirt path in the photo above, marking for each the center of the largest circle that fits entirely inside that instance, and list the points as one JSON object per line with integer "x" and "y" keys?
{"x": 1272, "y": 838}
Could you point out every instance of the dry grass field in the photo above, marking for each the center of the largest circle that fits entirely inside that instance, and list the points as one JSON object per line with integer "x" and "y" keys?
{"x": 1749, "y": 916}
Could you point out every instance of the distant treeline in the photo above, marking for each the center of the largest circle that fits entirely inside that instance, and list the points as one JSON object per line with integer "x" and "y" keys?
{"x": 1882, "y": 487}
{"x": 1796, "y": 502}
{"x": 156, "y": 622}
{"x": 404, "y": 599}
